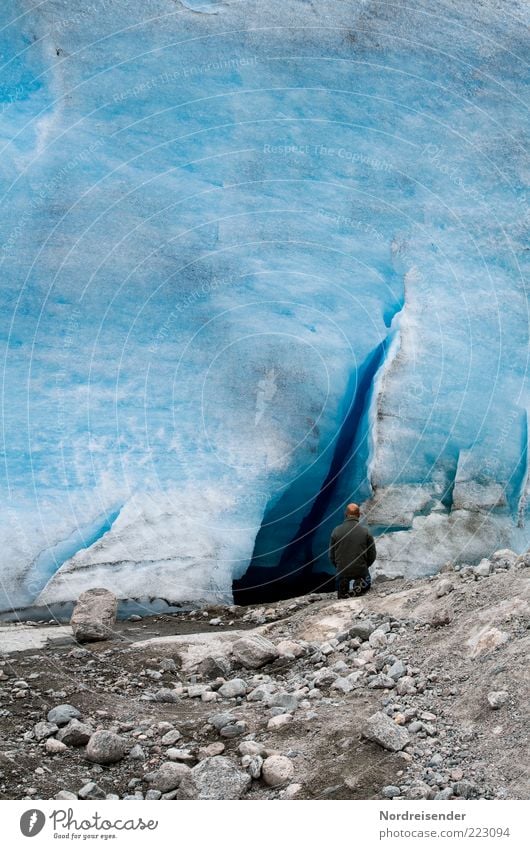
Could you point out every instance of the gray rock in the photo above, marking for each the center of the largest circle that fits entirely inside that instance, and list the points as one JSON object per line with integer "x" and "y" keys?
{"x": 497, "y": 699}
{"x": 279, "y": 721}
{"x": 137, "y": 753}
{"x": 94, "y": 615}
{"x": 75, "y": 733}
{"x": 67, "y": 795}
{"x": 153, "y": 795}
{"x": 219, "y": 720}
{"x": 465, "y": 789}
{"x": 483, "y": 570}
{"x": 419, "y": 790}
{"x": 252, "y": 764}
{"x": 44, "y": 729}
{"x": 234, "y": 687}
{"x": 55, "y": 747}
{"x": 254, "y": 651}
{"x": 362, "y": 629}
{"x": 105, "y": 747}
{"x": 182, "y": 755}
{"x": 91, "y": 790}
{"x": 397, "y": 670}
{"x": 286, "y": 701}
{"x": 215, "y": 778}
{"x": 215, "y": 667}
{"x": 382, "y": 730}
{"x": 277, "y": 771}
{"x": 262, "y": 692}
{"x": 342, "y": 685}
{"x": 505, "y": 558}
{"x": 168, "y": 776}
{"x": 444, "y": 587}
{"x": 166, "y": 695}
{"x": 390, "y": 791}
{"x": 382, "y": 682}
{"x": 378, "y": 639}
{"x": 446, "y": 793}
{"x": 234, "y": 729}
{"x": 406, "y": 686}
{"x": 62, "y": 714}
{"x": 171, "y": 737}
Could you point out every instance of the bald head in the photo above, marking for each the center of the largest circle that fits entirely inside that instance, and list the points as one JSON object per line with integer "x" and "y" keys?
{"x": 353, "y": 511}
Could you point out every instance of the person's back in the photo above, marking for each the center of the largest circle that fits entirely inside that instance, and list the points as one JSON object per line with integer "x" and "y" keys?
{"x": 352, "y": 552}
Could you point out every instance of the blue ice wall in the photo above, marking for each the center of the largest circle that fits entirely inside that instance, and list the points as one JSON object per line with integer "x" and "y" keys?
{"x": 211, "y": 214}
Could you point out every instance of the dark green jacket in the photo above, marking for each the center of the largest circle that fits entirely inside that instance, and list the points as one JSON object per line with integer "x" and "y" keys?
{"x": 351, "y": 549}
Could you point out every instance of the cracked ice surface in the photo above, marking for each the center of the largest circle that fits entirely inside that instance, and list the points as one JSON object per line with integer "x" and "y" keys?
{"x": 212, "y": 213}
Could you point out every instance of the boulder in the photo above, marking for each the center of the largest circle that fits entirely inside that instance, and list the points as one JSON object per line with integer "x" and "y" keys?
{"x": 483, "y": 570}
{"x": 75, "y": 733}
{"x": 168, "y": 776}
{"x": 44, "y": 729}
{"x": 215, "y": 778}
{"x": 234, "y": 687}
{"x": 254, "y": 651}
{"x": 505, "y": 558}
{"x": 382, "y": 730}
{"x": 62, "y": 714}
{"x": 94, "y": 615}
{"x": 105, "y": 747}
{"x": 277, "y": 771}
{"x": 362, "y": 629}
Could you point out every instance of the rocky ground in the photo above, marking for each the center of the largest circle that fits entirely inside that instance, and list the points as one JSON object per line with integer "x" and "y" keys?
{"x": 417, "y": 690}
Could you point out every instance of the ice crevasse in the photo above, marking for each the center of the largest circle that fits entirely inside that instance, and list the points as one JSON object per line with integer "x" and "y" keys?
{"x": 259, "y": 259}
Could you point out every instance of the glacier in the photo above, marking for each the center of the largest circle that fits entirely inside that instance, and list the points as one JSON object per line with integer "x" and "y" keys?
{"x": 259, "y": 259}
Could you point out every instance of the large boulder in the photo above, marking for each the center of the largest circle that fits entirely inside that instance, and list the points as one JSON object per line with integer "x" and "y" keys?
{"x": 384, "y": 731}
{"x": 277, "y": 770}
{"x": 215, "y": 778}
{"x": 94, "y": 615}
{"x": 254, "y": 651}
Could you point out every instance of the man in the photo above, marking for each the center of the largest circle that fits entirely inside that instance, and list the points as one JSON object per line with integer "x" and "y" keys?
{"x": 352, "y": 552}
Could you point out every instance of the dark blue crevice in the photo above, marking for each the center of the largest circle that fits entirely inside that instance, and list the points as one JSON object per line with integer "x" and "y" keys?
{"x": 300, "y": 567}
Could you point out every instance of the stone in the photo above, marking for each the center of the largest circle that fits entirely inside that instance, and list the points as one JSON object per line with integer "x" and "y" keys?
{"x": 219, "y": 720}
{"x": 483, "y": 570}
{"x": 382, "y": 730}
{"x": 215, "y": 778}
{"x": 195, "y": 691}
{"x": 233, "y": 688}
{"x": 486, "y": 640}
{"x": 254, "y": 651}
{"x": 378, "y": 639}
{"x": 137, "y": 753}
{"x": 166, "y": 695}
{"x": 277, "y": 771}
{"x": 249, "y": 747}
{"x": 397, "y": 670}
{"x": 262, "y": 692}
{"x": 253, "y": 765}
{"x": 91, "y": 790}
{"x": 168, "y": 776}
{"x": 390, "y": 791}
{"x": 405, "y": 686}
{"x": 342, "y": 685}
{"x": 324, "y": 677}
{"x": 105, "y": 747}
{"x": 94, "y": 615}
{"x": 211, "y": 750}
{"x": 44, "y": 729}
{"x": 290, "y": 648}
{"x": 440, "y": 616}
{"x": 292, "y": 791}
{"x": 66, "y": 795}
{"x": 382, "y": 682}
{"x": 466, "y": 789}
{"x": 505, "y": 558}
{"x": 362, "y": 629}
{"x": 171, "y": 737}
{"x": 444, "y": 588}
{"x": 153, "y": 795}
{"x": 62, "y": 714}
{"x": 497, "y": 699}
{"x": 419, "y": 790}
{"x": 214, "y": 667}
{"x": 182, "y": 755}
{"x": 75, "y": 733}
{"x": 55, "y": 747}
{"x": 233, "y": 729}
{"x": 287, "y": 701}
{"x": 279, "y": 721}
